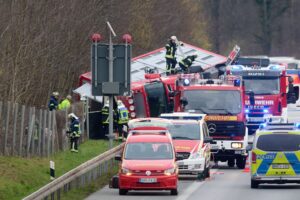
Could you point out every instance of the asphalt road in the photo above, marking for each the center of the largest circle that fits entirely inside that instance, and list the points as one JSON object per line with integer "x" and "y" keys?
{"x": 224, "y": 184}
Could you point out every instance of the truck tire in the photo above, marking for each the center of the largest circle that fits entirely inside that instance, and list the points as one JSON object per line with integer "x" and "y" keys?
{"x": 174, "y": 192}
{"x": 231, "y": 163}
{"x": 241, "y": 163}
{"x": 207, "y": 172}
{"x": 254, "y": 184}
{"x": 122, "y": 192}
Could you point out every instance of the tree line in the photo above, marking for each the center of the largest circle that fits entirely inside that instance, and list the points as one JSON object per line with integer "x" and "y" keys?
{"x": 45, "y": 45}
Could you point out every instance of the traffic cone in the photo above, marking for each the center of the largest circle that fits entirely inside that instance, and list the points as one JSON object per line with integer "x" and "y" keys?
{"x": 247, "y": 166}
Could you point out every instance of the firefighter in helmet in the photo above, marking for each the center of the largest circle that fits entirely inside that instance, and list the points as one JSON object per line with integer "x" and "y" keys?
{"x": 171, "y": 48}
{"x": 53, "y": 102}
{"x": 105, "y": 118}
{"x": 74, "y": 132}
{"x": 123, "y": 118}
{"x": 187, "y": 62}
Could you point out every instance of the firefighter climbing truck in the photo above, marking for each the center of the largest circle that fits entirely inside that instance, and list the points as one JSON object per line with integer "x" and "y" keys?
{"x": 222, "y": 100}
{"x": 266, "y": 92}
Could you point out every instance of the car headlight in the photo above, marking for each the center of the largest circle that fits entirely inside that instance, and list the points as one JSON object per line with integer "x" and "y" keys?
{"x": 126, "y": 171}
{"x": 236, "y": 145}
{"x": 169, "y": 172}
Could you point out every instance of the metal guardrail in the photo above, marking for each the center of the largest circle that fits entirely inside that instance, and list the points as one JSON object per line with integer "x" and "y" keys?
{"x": 80, "y": 176}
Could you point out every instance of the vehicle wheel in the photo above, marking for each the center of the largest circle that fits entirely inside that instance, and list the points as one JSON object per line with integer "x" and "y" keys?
{"x": 174, "y": 192}
{"x": 122, "y": 192}
{"x": 231, "y": 163}
{"x": 207, "y": 172}
{"x": 241, "y": 163}
{"x": 254, "y": 184}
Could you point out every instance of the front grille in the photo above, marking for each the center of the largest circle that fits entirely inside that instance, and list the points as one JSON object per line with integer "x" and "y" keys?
{"x": 143, "y": 172}
{"x": 183, "y": 166}
{"x": 182, "y": 155}
{"x": 255, "y": 115}
{"x": 226, "y": 129}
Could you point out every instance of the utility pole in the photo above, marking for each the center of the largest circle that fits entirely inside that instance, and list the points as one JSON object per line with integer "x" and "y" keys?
{"x": 111, "y": 79}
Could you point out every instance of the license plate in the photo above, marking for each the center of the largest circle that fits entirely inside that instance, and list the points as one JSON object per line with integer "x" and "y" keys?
{"x": 256, "y": 119}
{"x": 214, "y": 147}
{"x": 280, "y": 166}
{"x": 238, "y": 152}
{"x": 148, "y": 180}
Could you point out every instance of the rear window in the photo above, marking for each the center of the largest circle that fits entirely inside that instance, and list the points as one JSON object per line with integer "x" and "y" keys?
{"x": 279, "y": 142}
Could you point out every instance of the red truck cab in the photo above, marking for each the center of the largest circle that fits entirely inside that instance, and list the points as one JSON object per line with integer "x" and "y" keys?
{"x": 268, "y": 85}
{"x": 223, "y": 103}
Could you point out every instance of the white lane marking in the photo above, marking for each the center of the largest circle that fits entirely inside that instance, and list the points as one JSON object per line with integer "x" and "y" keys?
{"x": 192, "y": 188}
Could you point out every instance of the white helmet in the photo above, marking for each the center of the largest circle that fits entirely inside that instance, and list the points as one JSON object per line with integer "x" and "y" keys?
{"x": 106, "y": 104}
{"x": 69, "y": 97}
{"x": 55, "y": 94}
{"x": 173, "y": 37}
{"x": 72, "y": 115}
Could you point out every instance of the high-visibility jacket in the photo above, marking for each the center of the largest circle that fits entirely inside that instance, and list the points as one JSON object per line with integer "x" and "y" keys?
{"x": 188, "y": 61}
{"x": 64, "y": 104}
{"x": 123, "y": 115}
{"x": 105, "y": 115}
{"x": 52, "y": 105}
{"x": 75, "y": 128}
{"x": 171, "y": 50}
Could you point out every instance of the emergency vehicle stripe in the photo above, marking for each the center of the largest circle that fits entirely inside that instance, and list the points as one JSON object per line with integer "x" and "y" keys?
{"x": 294, "y": 162}
{"x": 266, "y": 163}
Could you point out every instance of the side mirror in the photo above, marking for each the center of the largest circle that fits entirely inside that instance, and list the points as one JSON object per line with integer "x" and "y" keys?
{"x": 183, "y": 101}
{"x": 251, "y": 98}
{"x": 208, "y": 140}
{"x": 249, "y": 147}
{"x": 118, "y": 157}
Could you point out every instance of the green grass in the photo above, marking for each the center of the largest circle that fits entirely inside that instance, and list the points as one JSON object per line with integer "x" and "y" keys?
{"x": 20, "y": 177}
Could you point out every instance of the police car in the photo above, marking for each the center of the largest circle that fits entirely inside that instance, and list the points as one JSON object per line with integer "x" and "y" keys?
{"x": 276, "y": 154}
{"x": 191, "y": 140}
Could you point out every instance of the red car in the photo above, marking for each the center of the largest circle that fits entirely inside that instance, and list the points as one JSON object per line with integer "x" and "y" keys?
{"x": 148, "y": 162}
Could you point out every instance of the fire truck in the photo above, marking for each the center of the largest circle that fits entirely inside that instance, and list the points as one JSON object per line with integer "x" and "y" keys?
{"x": 265, "y": 86}
{"x": 222, "y": 100}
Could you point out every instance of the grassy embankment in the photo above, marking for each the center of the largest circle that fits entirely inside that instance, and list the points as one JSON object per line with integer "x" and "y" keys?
{"x": 20, "y": 176}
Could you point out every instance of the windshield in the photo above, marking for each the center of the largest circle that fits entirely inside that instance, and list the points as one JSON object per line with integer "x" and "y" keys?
{"x": 185, "y": 131}
{"x": 262, "y": 85}
{"x": 279, "y": 142}
{"x": 213, "y": 101}
{"x": 157, "y": 99}
{"x": 148, "y": 151}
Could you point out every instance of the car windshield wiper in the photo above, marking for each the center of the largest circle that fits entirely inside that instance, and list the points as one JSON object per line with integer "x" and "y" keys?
{"x": 182, "y": 138}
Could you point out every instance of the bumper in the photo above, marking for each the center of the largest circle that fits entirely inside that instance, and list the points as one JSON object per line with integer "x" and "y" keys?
{"x": 226, "y": 154}
{"x": 276, "y": 179}
{"x": 133, "y": 182}
{"x": 190, "y": 166}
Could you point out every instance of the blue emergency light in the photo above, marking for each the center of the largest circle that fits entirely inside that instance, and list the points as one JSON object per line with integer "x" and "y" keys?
{"x": 237, "y": 82}
{"x": 266, "y": 111}
{"x": 247, "y": 111}
{"x": 186, "y": 82}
